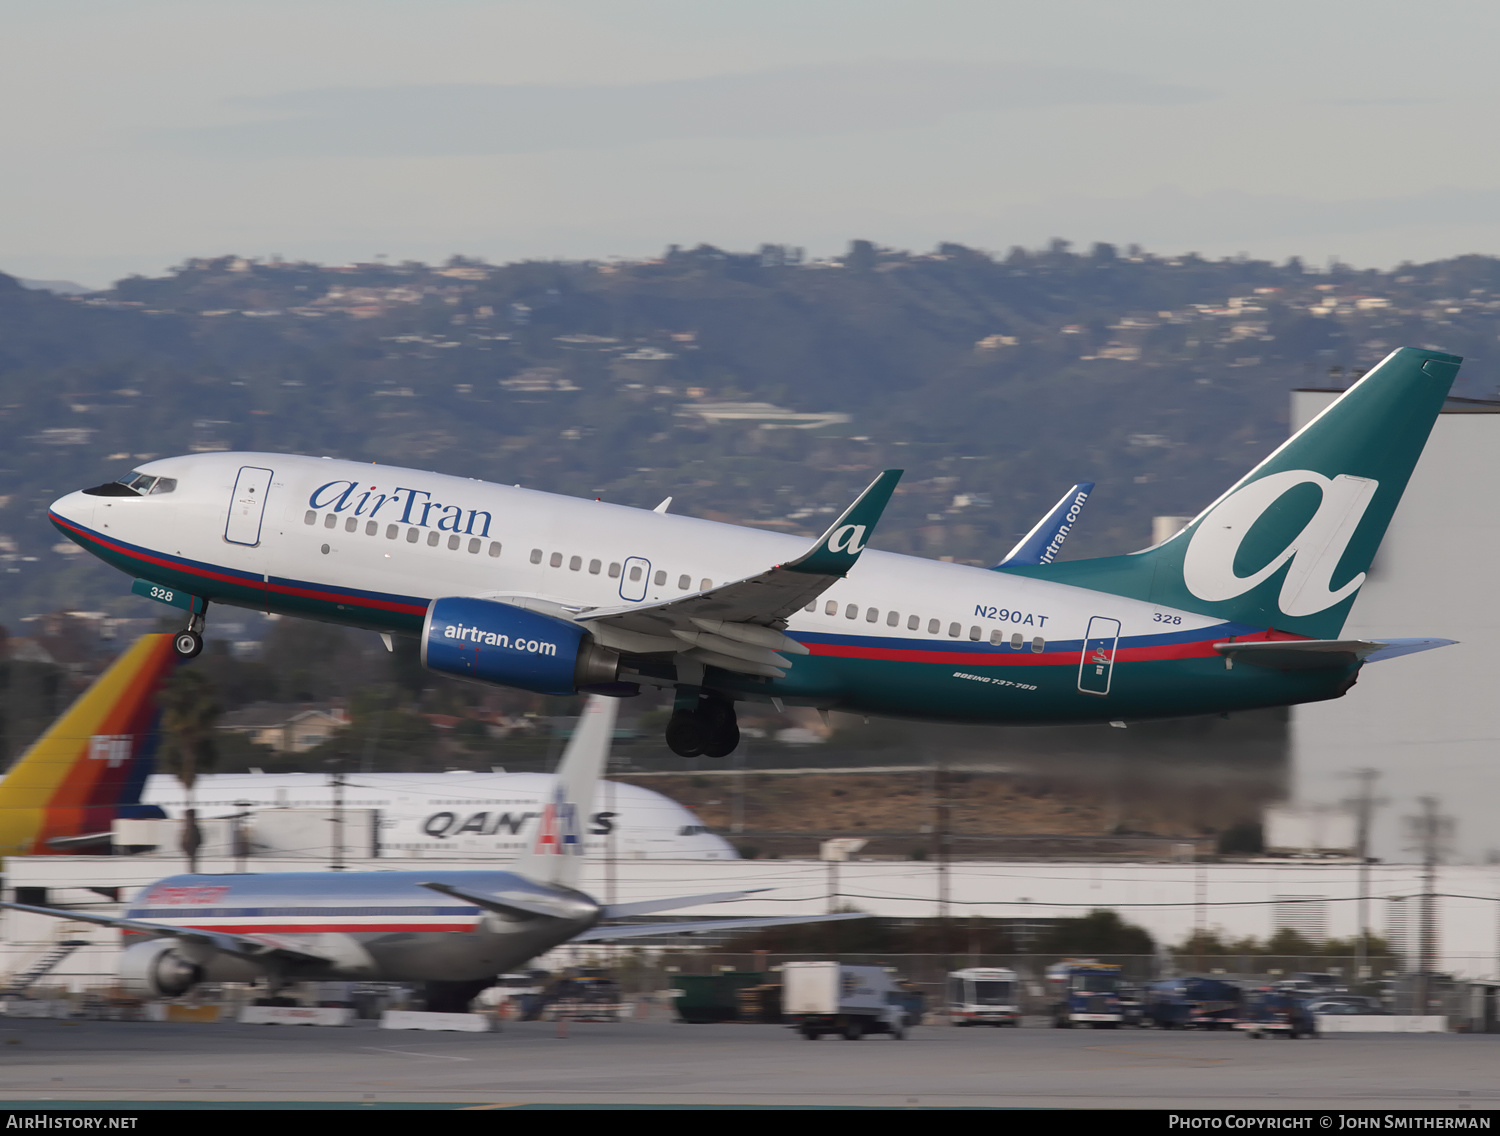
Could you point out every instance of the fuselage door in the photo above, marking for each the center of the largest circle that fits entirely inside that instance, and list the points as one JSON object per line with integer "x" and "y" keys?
{"x": 634, "y": 579}
{"x": 247, "y": 506}
{"x": 1098, "y": 662}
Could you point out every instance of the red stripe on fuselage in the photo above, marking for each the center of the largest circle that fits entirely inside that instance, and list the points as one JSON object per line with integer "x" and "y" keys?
{"x": 242, "y": 581}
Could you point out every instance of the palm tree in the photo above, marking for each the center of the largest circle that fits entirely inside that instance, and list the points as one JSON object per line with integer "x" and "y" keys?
{"x": 190, "y": 708}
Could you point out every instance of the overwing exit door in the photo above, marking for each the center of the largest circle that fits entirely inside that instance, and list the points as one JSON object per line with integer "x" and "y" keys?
{"x": 634, "y": 579}
{"x": 247, "y": 506}
{"x": 1096, "y": 667}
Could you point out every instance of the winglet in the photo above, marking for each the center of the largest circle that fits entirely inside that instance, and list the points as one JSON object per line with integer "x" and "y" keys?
{"x": 838, "y": 549}
{"x": 1042, "y": 544}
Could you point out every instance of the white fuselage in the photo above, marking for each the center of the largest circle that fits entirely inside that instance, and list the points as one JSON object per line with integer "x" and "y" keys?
{"x": 459, "y": 814}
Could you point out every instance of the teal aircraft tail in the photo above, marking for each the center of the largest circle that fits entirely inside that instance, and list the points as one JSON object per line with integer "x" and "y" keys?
{"x": 1288, "y": 546}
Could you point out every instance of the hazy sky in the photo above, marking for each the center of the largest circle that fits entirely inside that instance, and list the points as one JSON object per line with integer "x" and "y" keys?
{"x": 142, "y": 132}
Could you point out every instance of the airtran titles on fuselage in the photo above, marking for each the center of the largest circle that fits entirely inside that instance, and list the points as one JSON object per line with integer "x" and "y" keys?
{"x": 400, "y": 505}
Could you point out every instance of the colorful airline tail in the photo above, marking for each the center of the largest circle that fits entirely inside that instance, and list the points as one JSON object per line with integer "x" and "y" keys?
{"x": 88, "y": 768}
{"x": 556, "y": 855}
{"x": 1288, "y": 546}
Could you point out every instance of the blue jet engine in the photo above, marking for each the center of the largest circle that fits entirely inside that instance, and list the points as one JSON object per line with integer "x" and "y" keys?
{"x": 499, "y": 643}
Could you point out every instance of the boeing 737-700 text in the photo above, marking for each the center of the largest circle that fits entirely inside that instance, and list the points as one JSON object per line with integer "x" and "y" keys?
{"x": 1240, "y": 609}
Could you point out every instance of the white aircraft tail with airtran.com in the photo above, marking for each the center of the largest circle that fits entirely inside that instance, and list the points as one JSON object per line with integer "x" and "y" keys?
{"x": 1241, "y": 609}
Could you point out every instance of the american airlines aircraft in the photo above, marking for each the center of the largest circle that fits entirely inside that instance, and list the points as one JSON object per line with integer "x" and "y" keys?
{"x": 453, "y": 931}
{"x": 458, "y": 814}
{"x": 1243, "y": 608}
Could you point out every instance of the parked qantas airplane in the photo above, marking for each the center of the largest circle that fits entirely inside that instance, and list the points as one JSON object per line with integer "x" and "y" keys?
{"x": 1241, "y": 609}
{"x": 453, "y": 931}
{"x": 458, "y": 814}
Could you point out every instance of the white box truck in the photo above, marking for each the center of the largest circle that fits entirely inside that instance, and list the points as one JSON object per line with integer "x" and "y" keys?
{"x": 829, "y": 997}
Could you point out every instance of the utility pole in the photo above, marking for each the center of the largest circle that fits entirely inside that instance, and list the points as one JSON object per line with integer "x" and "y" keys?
{"x": 1364, "y": 803}
{"x": 942, "y": 842}
{"x": 1430, "y": 833}
{"x": 338, "y": 819}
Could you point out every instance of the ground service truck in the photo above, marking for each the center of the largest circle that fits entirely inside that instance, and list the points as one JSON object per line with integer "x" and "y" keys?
{"x": 829, "y": 997}
{"x": 1085, "y": 991}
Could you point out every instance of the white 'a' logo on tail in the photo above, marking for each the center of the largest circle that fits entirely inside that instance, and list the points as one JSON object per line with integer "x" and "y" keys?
{"x": 848, "y": 538}
{"x": 1208, "y": 565}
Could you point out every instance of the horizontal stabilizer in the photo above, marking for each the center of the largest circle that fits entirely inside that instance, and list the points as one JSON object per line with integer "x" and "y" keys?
{"x": 1042, "y": 544}
{"x": 1394, "y": 648}
{"x": 641, "y": 930}
{"x": 649, "y": 906}
{"x": 1322, "y": 654}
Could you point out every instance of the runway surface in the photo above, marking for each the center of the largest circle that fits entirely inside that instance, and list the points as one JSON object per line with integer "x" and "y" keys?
{"x": 664, "y": 1064}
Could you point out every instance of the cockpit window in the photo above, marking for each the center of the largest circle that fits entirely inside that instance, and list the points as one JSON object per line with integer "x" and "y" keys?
{"x": 144, "y": 483}
{"x": 134, "y": 484}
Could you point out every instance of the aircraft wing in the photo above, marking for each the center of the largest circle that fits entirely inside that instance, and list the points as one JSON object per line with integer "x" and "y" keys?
{"x": 648, "y": 906}
{"x": 640, "y": 930}
{"x": 737, "y": 626}
{"x": 513, "y": 904}
{"x": 245, "y": 946}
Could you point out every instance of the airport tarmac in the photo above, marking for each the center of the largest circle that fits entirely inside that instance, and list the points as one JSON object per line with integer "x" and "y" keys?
{"x": 664, "y": 1064}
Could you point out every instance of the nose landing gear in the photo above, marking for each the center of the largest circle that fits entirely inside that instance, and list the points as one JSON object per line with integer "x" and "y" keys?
{"x": 188, "y": 643}
{"x": 705, "y": 726}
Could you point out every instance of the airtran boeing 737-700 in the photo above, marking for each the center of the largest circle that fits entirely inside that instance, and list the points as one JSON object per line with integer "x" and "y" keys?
{"x": 1242, "y": 608}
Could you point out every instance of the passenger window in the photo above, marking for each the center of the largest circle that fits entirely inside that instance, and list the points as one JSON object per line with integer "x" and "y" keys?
{"x": 555, "y": 560}
{"x": 536, "y": 555}
{"x": 475, "y": 542}
{"x": 1016, "y": 642}
{"x": 412, "y": 535}
{"x": 933, "y": 627}
{"x": 684, "y": 583}
{"x": 953, "y": 630}
{"x": 594, "y": 566}
{"x": 635, "y": 573}
{"x": 1038, "y": 645}
{"x": 913, "y": 622}
{"x": 974, "y": 634}
{"x": 872, "y": 615}
{"x": 852, "y": 611}
{"x": 311, "y": 518}
{"x": 433, "y": 538}
{"x": 831, "y": 607}
{"x": 575, "y": 564}
{"x": 329, "y": 521}
{"x": 351, "y": 524}
{"x": 494, "y": 548}
{"x": 372, "y": 527}
{"x": 661, "y": 578}
{"x": 704, "y": 585}
{"x": 614, "y": 571}
{"x": 812, "y": 606}
{"x": 391, "y": 531}
{"x": 893, "y": 619}
{"x": 453, "y": 541}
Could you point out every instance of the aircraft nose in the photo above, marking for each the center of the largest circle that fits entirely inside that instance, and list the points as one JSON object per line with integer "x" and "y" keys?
{"x": 76, "y": 508}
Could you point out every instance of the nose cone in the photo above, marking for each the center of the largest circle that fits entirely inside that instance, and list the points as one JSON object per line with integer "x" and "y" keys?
{"x": 76, "y": 509}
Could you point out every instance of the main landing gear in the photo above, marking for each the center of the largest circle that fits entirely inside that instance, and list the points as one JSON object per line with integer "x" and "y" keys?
{"x": 188, "y": 643}
{"x": 702, "y": 723}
